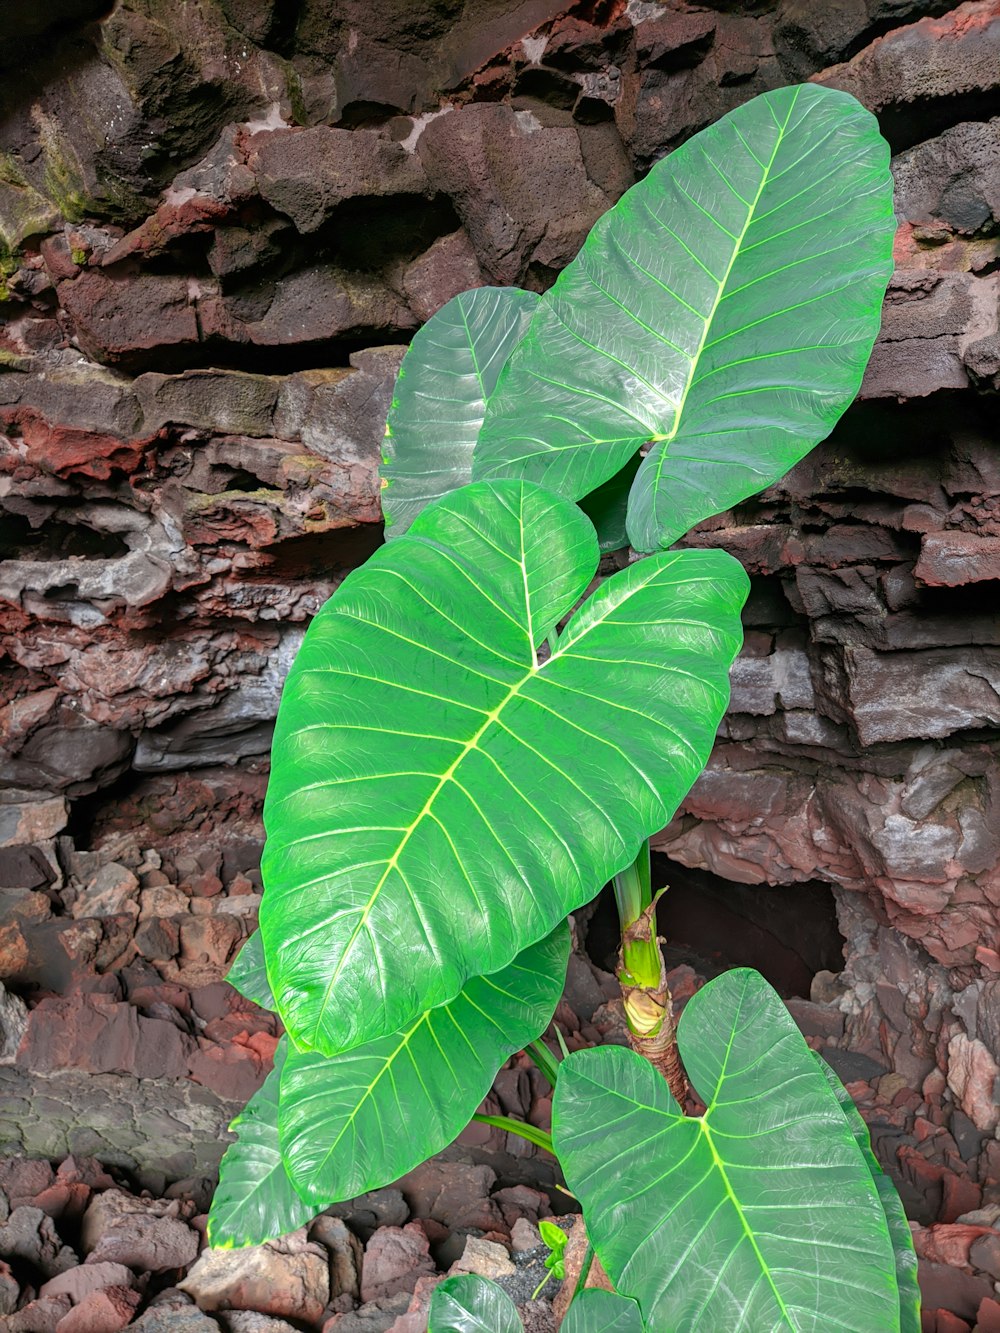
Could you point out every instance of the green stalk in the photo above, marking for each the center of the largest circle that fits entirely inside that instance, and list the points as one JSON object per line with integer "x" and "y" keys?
{"x": 544, "y": 1059}
{"x": 520, "y": 1127}
{"x": 642, "y": 975}
{"x": 633, "y": 894}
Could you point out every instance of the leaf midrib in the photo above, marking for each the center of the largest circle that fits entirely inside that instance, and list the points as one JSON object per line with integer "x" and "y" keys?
{"x": 671, "y": 435}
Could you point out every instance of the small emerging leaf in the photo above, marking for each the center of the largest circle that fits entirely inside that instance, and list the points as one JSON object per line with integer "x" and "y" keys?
{"x": 472, "y": 1304}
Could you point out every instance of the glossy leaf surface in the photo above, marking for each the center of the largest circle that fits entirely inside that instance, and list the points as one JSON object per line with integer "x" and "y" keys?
{"x": 759, "y": 1215}
{"x": 472, "y": 1304}
{"x": 722, "y": 312}
{"x": 899, "y": 1228}
{"x": 248, "y": 974}
{"x": 450, "y": 369}
{"x": 438, "y": 799}
{"x": 360, "y": 1120}
{"x": 255, "y": 1200}
{"x": 596, "y": 1311}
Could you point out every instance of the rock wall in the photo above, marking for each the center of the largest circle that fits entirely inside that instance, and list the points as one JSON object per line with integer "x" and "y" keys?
{"x": 219, "y": 225}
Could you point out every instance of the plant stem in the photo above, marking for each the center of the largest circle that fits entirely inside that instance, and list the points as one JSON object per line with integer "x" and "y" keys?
{"x": 633, "y": 894}
{"x": 544, "y": 1059}
{"x": 539, "y": 1137}
{"x": 642, "y": 975}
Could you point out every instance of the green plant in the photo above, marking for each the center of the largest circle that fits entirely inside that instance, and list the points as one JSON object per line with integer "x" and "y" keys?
{"x": 469, "y": 746}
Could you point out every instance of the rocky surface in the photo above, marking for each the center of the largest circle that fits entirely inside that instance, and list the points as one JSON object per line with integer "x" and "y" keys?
{"x": 219, "y": 225}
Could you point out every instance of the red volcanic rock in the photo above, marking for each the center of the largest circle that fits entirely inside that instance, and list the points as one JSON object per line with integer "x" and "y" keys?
{"x": 101, "y": 1035}
{"x": 950, "y": 559}
{"x": 447, "y": 268}
{"x": 103, "y": 1311}
{"x": 121, "y": 318}
{"x": 66, "y": 451}
{"x": 147, "y": 1235}
{"x": 288, "y": 1278}
{"x": 233, "y": 1072}
{"x": 395, "y": 1259}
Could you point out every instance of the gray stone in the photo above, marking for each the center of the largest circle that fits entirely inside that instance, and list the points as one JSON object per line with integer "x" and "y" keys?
{"x": 112, "y": 891}
{"x": 160, "y": 1320}
{"x": 484, "y": 1257}
{"x": 32, "y": 821}
{"x": 81, "y": 1281}
{"x": 220, "y": 401}
{"x": 30, "y": 1234}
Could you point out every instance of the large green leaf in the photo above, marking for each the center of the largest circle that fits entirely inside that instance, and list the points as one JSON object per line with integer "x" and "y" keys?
{"x": 357, "y": 1121}
{"x": 469, "y": 1303}
{"x": 448, "y": 373}
{"x": 899, "y": 1228}
{"x": 602, "y": 1312}
{"x": 255, "y": 1200}
{"x": 248, "y": 974}
{"x": 439, "y": 799}
{"x": 722, "y": 313}
{"x": 760, "y": 1214}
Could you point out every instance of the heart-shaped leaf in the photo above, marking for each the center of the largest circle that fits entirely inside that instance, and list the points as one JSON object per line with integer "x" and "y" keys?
{"x": 722, "y": 313}
{"x": 255, "y": 1200}
{"x": 597, "y": 1311}
{"x": 439, "y": 797}
{"x": 360, "y": 1120}
{"x": 760, "y": 1214}
{"x": 469, "y": 1303}
{"x": 899, "y": 1228}
{"x": 449, "y": 371}
{"x": 248, "y": 974}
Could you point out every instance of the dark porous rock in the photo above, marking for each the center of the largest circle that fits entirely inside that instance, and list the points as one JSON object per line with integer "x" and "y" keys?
{"x": 30, "y": 1234}
{"x": 449, "y": 267}
{"x": 521, "y": 191}
{"x": 126, "y": 320}
{"x": 395, "y": 1258}
{"x": 453, "y": 1193}
{"x": 928, "y": 321}
{"x": 148, "y": 1235}
{"x": 943, "y": 1286}
{"x": 681, "y": 94}
{"x": 378, "y": 1208}
{"x": 307, "y": 174}
{"x": 808, "y": 37}
{"x": 320, "y": 303}
{"x": 982, "y": 360}
{"x": 225, "y": 402}
{"x": 952, "y": 179}
{"x": 909, "y": 76}
{"x": 372, "y": 1317}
